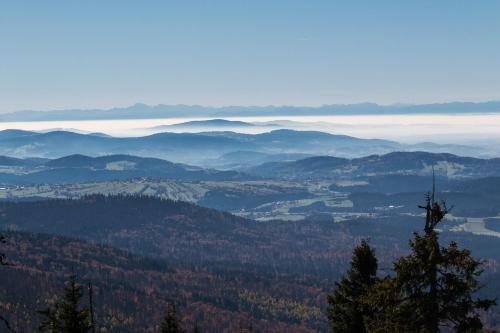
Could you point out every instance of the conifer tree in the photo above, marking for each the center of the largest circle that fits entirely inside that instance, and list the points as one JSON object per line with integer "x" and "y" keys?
{"x": 3, "y": 262}
{"x": 346, "y": 308}
{"x": 3, "y": 257}
{"x": 246, "y": 330}
{"x": 432, "y": 288}
{"x": 196, "y": 328}
{"x": 171, "y": 323}
{"x": 66, "y": 316}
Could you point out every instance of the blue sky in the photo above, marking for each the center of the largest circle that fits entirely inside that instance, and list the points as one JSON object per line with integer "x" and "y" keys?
{"x": 84, "y": 54}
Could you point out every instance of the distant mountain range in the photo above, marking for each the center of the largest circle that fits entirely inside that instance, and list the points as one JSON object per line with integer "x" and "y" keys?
{"x": 192, "y": 148}
{"x": 142, "y": 111}
{"x": 203, "y": 148}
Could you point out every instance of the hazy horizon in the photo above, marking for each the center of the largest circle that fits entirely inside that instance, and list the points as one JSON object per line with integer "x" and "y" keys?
{"x": 221, "y": 106}
{"x": 438, "y": 128}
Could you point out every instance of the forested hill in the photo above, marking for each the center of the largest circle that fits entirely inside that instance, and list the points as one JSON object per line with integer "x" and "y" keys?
{"x": 418, "y": 163}
{"x": 182, "y": 232}
{"x": 131, "y": 292}
{"x": 193, "y": 235}
{"x": 81, "y": 168}
{"x": 137, "y": 223}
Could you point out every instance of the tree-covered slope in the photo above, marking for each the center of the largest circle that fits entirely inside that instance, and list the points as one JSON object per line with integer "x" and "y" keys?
{"x": 131, "y": 292}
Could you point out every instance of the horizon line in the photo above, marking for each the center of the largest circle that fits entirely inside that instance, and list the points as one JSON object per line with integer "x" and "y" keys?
{"x": 153, "y": 105}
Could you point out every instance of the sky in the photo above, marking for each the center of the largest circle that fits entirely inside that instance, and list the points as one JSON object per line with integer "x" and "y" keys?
{"x": 103, "y": 54}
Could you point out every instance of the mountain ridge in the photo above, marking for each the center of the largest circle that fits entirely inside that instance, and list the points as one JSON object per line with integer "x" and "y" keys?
{"x": 81, "y": 168}
{"x": 191, "y": 148}
{"x": 143, "y": 111}
{"x": 410, "y": 163}
{"x": 205, "y": 146}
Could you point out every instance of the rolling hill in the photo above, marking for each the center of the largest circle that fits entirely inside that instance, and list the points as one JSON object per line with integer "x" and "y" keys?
{"x": 202, "y": 148}
{"x": 81, "y": 168}
{"x": 179, "y": 231}
{"x": 396, "y": 163}
{"x": 188, "y": 147}
{"x": 211, "y": 123}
